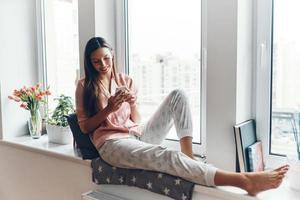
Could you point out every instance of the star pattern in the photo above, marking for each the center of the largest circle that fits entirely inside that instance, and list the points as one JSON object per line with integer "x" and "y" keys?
{"x": 100, "y": 168}
{"x": 183, "y": 197}
{"x": 149, "y": 185}
{"x": 133, "y": 179}
{"x": 159, "y": 176}
{"x": 121, "y": 179}
{"x": 108, "y": 180}
{"x": 177, "y": 181}
{"x": 166, "y": 191}
{"x": 156, "y": 182}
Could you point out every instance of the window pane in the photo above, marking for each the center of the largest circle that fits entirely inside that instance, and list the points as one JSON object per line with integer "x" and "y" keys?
{"x": 164, "y": 53}
{"x": 62, "y": 54}
{"x": 285, "y": 77}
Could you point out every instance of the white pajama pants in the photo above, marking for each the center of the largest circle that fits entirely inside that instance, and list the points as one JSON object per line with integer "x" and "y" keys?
{"x": 146, "y": 153}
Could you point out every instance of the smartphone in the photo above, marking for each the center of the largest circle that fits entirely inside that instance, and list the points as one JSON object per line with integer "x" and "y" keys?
{"x": 122, "y": 88}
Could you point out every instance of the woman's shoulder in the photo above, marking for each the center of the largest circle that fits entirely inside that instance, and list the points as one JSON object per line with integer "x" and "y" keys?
{"x": 79, "y": 89}
{"x": 80, "y": 82}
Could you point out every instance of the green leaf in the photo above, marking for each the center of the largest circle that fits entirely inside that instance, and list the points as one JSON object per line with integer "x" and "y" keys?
{"x": 64, "y": 107}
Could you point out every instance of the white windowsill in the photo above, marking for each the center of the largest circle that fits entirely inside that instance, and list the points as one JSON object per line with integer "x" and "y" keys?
{"x": 42, "y": 146}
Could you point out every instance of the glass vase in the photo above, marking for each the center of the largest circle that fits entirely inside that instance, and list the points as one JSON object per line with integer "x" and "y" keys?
{"x": 35, "y": 124}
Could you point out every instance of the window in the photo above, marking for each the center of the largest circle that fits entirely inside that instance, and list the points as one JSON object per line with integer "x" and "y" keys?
{"x": 285, "y": 101}
{"x": 61, "y": 47}
{"x": 164, "y": 52}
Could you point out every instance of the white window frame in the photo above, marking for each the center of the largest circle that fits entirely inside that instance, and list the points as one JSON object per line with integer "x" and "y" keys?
{"x": 41, "y": 49}
{"x": 41, "y": 46}
{"x": 263, "y": 11}
{"x": 122, "y": 60}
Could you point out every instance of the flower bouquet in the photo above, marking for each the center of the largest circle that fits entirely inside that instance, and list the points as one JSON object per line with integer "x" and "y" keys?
{"x": 30, "y": 99}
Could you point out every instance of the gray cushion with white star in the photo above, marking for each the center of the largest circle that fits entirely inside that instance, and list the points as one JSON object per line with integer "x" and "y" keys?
{"x": 172, "y": 186}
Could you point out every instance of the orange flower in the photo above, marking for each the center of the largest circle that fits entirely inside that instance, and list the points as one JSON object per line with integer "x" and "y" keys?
{"x": 17, "y": 99}
{"x": 30, "y": 97}
{"x": 23, "y": 105}
{"x": 42, "y": 93}
{"x": 38, "y": 97}
{"x": 47, "y": 92}
{"x": 17, "y": 93}
{"x": 38, "y": 85}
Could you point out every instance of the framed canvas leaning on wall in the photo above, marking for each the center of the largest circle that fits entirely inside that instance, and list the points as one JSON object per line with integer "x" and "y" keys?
{"x": 245, "y": 135}
{"x": 255, "y": 155}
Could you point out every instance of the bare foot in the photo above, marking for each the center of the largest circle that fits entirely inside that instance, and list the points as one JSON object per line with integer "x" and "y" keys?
{"x": 256, "y": 182}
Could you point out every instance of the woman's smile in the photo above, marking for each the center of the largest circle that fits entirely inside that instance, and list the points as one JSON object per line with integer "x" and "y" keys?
{"x": 104, "y": 69}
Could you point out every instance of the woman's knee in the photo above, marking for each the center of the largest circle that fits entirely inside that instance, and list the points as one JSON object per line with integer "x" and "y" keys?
{"x": 178, "y": 93}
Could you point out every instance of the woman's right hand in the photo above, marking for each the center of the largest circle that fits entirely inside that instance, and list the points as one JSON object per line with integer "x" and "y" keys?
{"x": 115, "y": 102}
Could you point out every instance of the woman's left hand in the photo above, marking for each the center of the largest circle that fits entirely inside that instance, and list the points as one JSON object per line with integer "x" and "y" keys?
{"x": 130, "y": 98}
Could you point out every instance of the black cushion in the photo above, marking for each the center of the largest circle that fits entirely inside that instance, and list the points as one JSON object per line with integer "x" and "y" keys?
{"x": 161, "y": 183}
{"x": 82, "y": 141}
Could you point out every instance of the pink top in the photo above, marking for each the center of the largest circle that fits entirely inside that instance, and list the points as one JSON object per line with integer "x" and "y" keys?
{"x": 117, "y": 124}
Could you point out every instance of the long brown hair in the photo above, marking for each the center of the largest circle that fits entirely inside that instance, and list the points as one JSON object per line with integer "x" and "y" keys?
{"x": 90, "y": 99}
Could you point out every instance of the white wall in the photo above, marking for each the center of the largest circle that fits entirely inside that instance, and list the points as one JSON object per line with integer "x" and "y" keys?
{"x": 221, "y": 81}
{"x": 18, "y": 61}
{"x": 229, "y": 71}
{"x": 33, "y": 176}
{"x": 86, "y": 21}
{"x": 105, "y": 20}
{"x": 245, "y": 64}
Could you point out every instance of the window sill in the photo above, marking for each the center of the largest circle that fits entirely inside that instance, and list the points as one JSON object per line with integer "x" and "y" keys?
{"x": 42, "y": 146}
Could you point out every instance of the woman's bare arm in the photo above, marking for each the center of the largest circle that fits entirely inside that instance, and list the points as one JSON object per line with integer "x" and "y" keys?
{"x": 135, "y": 114}
{"x": 89, "y": 125}
{"x": 131, "y": 97}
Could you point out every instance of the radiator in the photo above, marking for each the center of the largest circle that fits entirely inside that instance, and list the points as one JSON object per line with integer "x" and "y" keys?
{"x": 97, "y": 195}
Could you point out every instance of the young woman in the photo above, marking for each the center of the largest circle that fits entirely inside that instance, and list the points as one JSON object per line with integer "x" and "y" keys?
{"x": 112, "y": 118}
